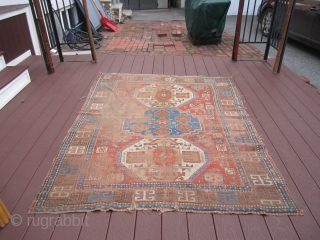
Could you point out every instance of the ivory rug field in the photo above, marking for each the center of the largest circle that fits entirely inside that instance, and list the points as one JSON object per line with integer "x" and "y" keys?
{"x": 156, "y": 142}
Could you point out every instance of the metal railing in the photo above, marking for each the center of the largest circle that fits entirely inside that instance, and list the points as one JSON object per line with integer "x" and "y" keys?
{"x": 266, "y": 22}
{"x": 64, "y": 25}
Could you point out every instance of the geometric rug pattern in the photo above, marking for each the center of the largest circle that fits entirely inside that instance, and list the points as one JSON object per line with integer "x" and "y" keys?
{"x": 167, "y": 143}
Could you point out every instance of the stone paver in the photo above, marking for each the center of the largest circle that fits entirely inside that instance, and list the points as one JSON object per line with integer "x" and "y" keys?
{"x": 166, "y": 38}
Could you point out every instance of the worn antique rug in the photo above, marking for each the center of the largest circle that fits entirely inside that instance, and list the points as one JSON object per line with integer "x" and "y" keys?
{"x": 156, "y": 142}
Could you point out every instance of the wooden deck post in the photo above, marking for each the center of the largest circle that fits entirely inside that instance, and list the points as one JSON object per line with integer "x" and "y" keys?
{"x": 283, "y": 37}
{"x": 238, "y": 31}
{"x": 44, "y": 36}
{"x": 93, "y": 50}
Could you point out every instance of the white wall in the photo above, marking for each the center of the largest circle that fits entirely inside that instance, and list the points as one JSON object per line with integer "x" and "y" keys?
{"x": 13, "y": 2}
{"x": 233, "y": 9}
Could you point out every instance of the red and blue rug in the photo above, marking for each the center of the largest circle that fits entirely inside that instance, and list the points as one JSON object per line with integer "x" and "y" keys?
{"x": 167, "y": 143}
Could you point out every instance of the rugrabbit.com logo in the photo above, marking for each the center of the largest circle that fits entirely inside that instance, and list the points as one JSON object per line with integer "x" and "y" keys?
{"x": 65, "y": 220}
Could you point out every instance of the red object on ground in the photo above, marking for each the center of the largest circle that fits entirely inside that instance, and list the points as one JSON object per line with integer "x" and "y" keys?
{"x": 105, "y": 21}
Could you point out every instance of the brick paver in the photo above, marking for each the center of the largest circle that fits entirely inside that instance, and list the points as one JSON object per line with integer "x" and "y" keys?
{"x": 166, "y": 38}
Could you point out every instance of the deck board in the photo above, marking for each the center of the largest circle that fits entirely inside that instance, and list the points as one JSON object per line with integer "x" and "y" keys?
{"x": 277, "y": 146}
{"x": 116, "y": 65}
{"x": 190, "y": 67}
{"x": 33, "y": 186}
{"x": 288, "y": 141}
{"x": 254, "y": 227}
{"x": 179, "y": 68}
{"x": 148, "y": 225}
{"x": 284, "y": 110}
{"x": 70, "y": 232}
{"x": 201, "y": 226}
{"x": 168, "y": 67}
{"x": 33, "y": 124}
{"x": 211, "y": 67}
{"x": 122, "y": 225}
{"x": 148, "y": 65}
{"x": 228, "y": 227}
{"x": 95, "y": 226}
{"x": 174, "y": 226}
{"x": 158, "y": 65}
{"x": 251, "y": 227}
{"x": 299, "y": 126}
{"x": 37, "y": 81}
{"x": 200, "y": 66}
{"x": 302, "y": 90}
{"x": 233, "y": 70}
{"x": 127, "y": 64}
{"x": 302, "y": 103}
{"x": 137, "y": 64}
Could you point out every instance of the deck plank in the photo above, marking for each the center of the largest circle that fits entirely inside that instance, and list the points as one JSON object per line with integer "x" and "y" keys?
{"x": 201, "y": 226}
{"x": 289, "y": 114}
{"x": 179, "y": 68}
{"x": 40, "y": 225}
{"x": 127, "y": 64}
{"x": 168, "y": 65}
{"x": 158, "y": 65}
{"x": 137, "y": 64}
{"x": 254, "y": 227}
{"x": 42, "y": 165}
{"x": 34, "y": 62}
{"x": 228, "y": 227}
{"x": 189, "y": 65}
{"x": 260, "y": 224}
{"x": 95, "y": 226}
{"x": 12, "y": 115}
{"x": 148, "y": 225}
{"x": 147, "y": 65}
{"x": 306, "y": 226}
{"x": 276, "y": 225}
{"x": 32, "y": 125}
{"x": 211, "y": 67}
{"x": 174, "y": 226}
{"x": 298, "y": 163}
{"x": 282, "y": 228}
{"x": 116, "y": 65}
{"x": 301, "y": 105}
{"x": 200, "y": 66}
{"x": 71, "y": 231}
{"x": 122, "y": 225}
{"x": 296, "y": 84}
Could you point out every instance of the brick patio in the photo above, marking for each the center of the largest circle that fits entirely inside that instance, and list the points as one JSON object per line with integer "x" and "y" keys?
{"x": 166, "y": 38}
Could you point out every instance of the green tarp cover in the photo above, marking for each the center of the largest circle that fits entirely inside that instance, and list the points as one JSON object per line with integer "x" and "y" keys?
{"x": 206, "y": 18}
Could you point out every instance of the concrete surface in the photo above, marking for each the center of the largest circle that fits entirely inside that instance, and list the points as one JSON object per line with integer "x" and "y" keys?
{"x": 301, "y": 59}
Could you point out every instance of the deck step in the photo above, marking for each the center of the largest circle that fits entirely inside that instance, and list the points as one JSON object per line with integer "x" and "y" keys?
{"x": 12, "y": 80}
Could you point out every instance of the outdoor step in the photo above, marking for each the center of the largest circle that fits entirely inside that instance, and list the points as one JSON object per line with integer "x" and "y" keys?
{"x": 12, "y": 80}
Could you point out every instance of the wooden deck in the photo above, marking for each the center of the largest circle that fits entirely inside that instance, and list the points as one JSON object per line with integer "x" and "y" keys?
{"x": 284, "y": 110}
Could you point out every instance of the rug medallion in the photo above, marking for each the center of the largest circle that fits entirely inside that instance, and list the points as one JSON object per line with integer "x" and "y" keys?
{"x": 156, "y": 142}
